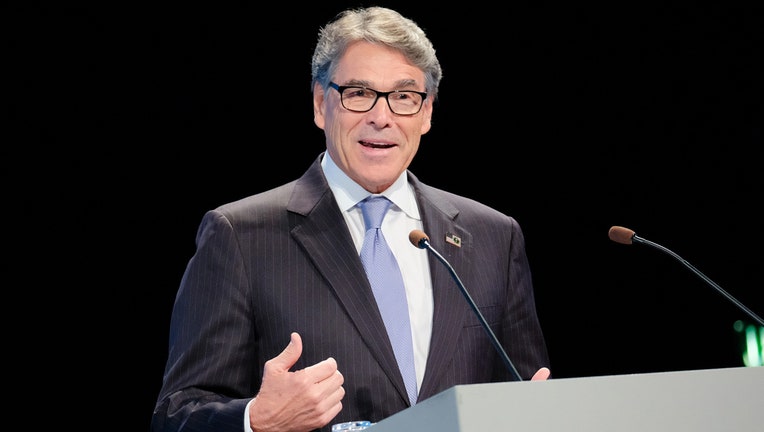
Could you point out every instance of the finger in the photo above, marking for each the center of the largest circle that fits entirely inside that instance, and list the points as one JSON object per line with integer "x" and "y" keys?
{"x": 541, "y": 374}
{"x": 323, "y": 370}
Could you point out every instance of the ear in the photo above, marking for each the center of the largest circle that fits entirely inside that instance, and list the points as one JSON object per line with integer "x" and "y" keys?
{"x": 319, "y": 107}
{"x": 426, "y": 117}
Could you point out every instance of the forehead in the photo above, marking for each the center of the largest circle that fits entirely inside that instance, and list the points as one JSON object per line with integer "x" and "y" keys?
{"x": 376, "y": 65}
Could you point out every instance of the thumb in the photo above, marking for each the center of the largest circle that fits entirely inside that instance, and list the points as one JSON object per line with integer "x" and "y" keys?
{"x": 287, "y": 358}
{"x": 541, "y": 374}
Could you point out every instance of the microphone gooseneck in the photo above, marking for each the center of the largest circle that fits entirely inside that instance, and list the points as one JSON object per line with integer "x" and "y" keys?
{"x": 420, "y": 240}
{"x": 626, "y": 236}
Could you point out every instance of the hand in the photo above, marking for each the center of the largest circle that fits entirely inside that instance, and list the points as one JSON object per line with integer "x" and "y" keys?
{"x": 296, "y": 401}
{"x": 541, "y": 374}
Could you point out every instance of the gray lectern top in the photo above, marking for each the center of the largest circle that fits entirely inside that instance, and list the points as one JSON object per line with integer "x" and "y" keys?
{"x": 694, "y": 401}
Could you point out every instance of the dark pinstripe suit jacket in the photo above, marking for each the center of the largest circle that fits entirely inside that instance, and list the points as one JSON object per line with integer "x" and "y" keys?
{"x": 283, "y": 261}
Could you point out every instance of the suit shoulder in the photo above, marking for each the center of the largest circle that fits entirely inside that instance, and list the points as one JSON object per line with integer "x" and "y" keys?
{"x": 463, "y": 207}
{"x": 272, "y": 198}
{"x": 260, "y": 206}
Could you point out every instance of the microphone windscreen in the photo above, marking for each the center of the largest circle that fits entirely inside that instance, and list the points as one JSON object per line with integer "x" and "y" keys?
{"x": 416, "y": 237}
{"x": 621, "y": 235}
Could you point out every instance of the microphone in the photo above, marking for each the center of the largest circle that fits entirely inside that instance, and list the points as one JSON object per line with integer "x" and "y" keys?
{"x": 626, "y": 236}
{"x": 420, "y": 240}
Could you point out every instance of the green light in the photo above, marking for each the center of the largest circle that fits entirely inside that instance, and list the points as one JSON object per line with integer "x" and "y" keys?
{"x": 753, "y": 341}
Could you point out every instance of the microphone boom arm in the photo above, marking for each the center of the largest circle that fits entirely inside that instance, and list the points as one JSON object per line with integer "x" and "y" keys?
{"x": 626, "y": 236}
{"x": 729, "y": 297}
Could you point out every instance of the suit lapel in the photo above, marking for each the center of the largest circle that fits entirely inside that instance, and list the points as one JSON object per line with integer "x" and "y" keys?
{"x": 450, "y": 305}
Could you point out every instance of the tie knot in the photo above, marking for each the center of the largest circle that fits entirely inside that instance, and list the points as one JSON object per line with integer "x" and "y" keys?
{"x": 374, "y": 209}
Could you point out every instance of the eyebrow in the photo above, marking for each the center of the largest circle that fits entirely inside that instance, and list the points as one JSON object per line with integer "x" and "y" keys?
{"x": 400, "y": 84}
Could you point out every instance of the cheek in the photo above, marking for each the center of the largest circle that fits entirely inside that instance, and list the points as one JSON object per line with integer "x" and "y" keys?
{"x": 328, "y": 116}
{"x": 334, "y": 128}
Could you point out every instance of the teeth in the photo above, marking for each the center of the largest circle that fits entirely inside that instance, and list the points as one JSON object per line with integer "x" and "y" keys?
{"x": 375, "y": 145}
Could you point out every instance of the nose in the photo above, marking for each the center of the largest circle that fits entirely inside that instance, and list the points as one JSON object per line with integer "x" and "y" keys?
{"x": 380, "y": 114}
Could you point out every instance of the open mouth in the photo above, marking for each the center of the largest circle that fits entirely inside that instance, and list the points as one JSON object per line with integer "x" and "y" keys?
{"x": 376, "y": 145}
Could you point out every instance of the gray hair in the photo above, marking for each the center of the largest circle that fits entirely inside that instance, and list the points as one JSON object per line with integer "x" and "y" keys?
{"x": 377, "y": 25}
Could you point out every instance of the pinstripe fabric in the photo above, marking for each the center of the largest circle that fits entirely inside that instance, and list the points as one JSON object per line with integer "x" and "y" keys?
{"x": 283, "y": 260}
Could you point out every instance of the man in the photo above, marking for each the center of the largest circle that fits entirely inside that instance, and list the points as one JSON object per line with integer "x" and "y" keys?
{"x": 285, "y": 263}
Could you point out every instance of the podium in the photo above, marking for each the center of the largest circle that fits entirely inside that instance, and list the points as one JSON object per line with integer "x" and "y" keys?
{"x": 730, "y": 399}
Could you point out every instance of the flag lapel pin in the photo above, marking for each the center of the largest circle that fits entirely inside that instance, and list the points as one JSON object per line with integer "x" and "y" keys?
{"x": 453, "y": 239}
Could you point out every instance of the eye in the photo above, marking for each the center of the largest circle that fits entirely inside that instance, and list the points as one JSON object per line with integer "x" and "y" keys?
{"x": 358, "y": 92}
{"x": 401, "y": 96}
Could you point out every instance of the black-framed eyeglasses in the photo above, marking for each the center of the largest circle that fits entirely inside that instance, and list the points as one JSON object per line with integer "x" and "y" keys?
{"x": 363, "y": 99}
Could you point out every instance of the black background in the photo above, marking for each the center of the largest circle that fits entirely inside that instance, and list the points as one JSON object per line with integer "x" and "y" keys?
{"x": 130, "y": 120}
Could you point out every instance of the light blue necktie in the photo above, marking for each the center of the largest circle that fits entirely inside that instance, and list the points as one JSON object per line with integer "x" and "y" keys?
{"x": 387, "y": 285}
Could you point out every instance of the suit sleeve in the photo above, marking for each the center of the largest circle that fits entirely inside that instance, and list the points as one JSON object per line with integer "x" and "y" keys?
{"x": 209, "y": 377}
{"x": 522, "y": 330}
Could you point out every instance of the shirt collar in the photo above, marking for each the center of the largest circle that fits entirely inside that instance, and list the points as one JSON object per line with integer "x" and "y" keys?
{"x": 348, "y": 193}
